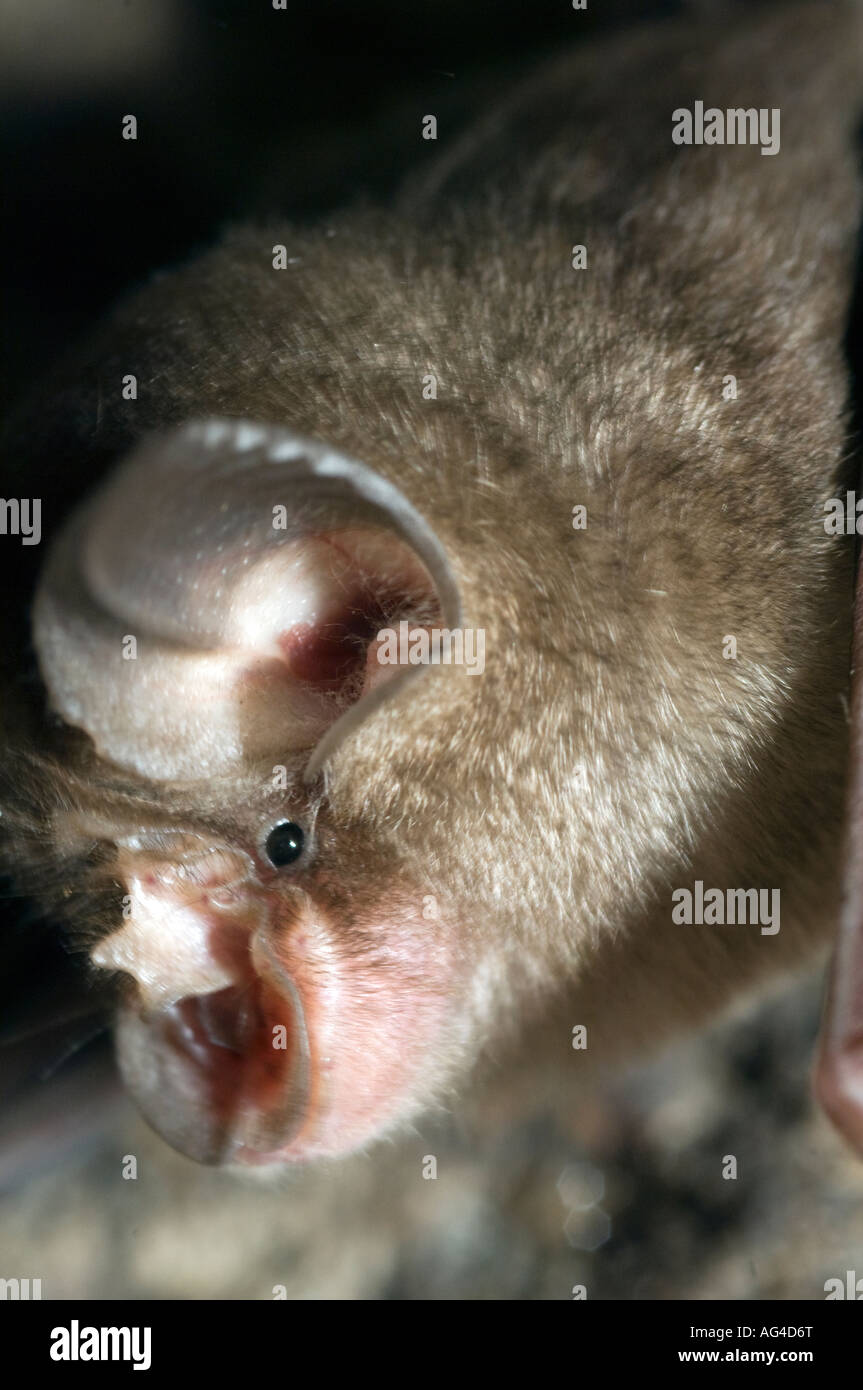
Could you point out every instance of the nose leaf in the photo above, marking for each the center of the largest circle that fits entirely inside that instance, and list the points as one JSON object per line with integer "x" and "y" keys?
{"x": 174, "y": 943}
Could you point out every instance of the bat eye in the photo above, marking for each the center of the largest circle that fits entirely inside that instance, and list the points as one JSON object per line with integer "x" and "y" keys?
{"x": 284, "y": 844}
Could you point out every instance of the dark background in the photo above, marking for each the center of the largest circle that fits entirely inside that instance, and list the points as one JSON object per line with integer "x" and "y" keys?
{"x": 241, "y": 108}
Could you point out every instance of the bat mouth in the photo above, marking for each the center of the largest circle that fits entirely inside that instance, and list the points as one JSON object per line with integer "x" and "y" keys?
{"x": 222, "y": 1077}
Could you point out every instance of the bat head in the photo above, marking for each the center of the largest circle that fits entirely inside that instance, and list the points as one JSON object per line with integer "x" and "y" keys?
{"x": 323, "y": 916}
{"x": 220, "y": 619}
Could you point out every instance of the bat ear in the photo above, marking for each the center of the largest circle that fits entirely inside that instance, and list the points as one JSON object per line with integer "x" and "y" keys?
{"x": 839, "y": 1071}
{"x": 217, "y": 602}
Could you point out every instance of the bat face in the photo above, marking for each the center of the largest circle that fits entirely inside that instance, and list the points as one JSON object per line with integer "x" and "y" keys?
{"x": 287, "y": 999}
{"x": 273, "y": 1033}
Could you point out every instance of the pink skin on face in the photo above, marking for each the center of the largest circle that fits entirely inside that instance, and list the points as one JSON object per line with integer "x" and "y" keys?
{"x": 372, "y": 1013}
{"x": 261, "y": 1031}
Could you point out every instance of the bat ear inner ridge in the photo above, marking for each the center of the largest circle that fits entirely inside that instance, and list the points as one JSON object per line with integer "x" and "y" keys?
{"x": 217, "y": 602}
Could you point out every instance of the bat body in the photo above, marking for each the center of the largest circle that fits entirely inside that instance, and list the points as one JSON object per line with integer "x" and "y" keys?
{"x": 581, "y": 390}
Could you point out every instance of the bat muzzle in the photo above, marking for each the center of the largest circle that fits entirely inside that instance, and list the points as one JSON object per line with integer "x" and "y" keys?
{"x": 222, "y": 1077}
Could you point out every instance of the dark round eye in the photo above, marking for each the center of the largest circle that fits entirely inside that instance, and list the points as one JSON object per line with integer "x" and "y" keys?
{"x": 284, "y": 843}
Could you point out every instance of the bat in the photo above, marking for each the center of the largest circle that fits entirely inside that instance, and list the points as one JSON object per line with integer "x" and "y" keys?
{"x": 434, "y": 636}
